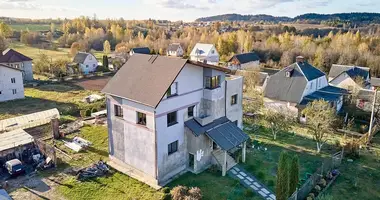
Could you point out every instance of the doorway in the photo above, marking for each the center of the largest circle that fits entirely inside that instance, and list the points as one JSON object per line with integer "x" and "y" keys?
{"x": 214, "y": 146}
{"x": 191, "y": 161}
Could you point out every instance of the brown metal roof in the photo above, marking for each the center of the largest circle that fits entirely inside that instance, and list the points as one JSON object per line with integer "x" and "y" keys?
{"x": 145, "y": 78}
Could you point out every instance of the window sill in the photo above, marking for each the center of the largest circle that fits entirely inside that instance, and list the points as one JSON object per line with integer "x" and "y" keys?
{"x": 172, "y": 124}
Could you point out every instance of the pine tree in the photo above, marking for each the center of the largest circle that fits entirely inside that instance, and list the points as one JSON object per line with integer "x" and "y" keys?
{"x": 293, "y": 174}
{"x": 106, "y": 47}
{"x": 282, "y": 185}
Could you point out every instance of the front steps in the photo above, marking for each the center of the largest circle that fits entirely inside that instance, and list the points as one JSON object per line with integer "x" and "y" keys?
{"x": 219, "y": 156}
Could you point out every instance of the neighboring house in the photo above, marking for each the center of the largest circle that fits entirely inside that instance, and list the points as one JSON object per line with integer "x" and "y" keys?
{"x": 244, "y": 61}
{"x": 295, "y": 86}
{"x": 375, "y": 83}
{"x": 139, "y": 50}
{"x": 86, "y": 62}
{"x": 264, "y": 75}
{"x": 17, "y": 60}
{"x": 175, "y": 49}
{"x": 171, "y": 115}
{"x": 205, "y": 53}
{"x": 350, "y": 77}
{"x": 11, "y": 83}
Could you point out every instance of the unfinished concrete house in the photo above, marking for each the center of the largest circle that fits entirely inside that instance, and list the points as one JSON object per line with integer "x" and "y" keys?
{"x": 170, "y": 115}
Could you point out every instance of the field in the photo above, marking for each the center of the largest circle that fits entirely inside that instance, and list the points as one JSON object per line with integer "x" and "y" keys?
{"x": 34, "y": 52}
{"x": 30, "y": 27}
{"x": 65, "y": 97}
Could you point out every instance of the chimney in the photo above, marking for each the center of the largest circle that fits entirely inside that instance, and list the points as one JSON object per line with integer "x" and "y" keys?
{"x": 300, "y": 59}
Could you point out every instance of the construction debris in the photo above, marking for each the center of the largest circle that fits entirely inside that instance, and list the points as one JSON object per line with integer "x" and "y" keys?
{"x": 92, "y": 98}
{"x": 97, "y": 170}
{"x": 71, "y": 127}
{"x": 78, "y": 144}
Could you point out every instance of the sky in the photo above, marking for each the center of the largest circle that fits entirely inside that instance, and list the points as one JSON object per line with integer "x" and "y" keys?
{"x": 186, "y": 10}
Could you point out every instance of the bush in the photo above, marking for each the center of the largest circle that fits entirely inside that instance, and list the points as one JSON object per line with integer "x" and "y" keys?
{"x": 94, "y": 110}
{"x": 317, "y": 188}
{"x": 261, "y": 175}
{"x": 166, "y": 197}
{"x": 179, "y": 192}
{"x": 166, "y": 190}
{"x": 195, "y": 193}
{"x": 83, "y": 113}
{"x": 323, "y": 182}
{"x": 248, "y": 193}
{"x": 88, "y": 113}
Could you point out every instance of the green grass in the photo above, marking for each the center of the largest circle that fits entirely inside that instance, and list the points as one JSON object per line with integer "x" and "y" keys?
{"x": 214, "y": 186}
{"x": 33, "y": 52}
{"x": 30, "y": 27}
{"x": 65, "y": 97}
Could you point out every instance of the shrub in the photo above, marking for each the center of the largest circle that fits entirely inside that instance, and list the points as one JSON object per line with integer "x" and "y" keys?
{"x": 312, "y": 195}
{"x": 179, "y": 192}
{"x": 83, "y": 113}
{"x": 261, "y": 175}
{"x": 317, "y": 188}
{"x": 248, "y": 193}
{"x": 195, "y": 193}
{"x": 166, "y": 190}
{"x": 166, "y": 197}
{"x": 94, "y": 110}
{"x": 323, "y": 182}
{"x": 88, "y": 113}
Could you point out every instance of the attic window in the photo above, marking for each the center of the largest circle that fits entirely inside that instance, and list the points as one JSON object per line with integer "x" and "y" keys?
{"x": 287, "y": 74}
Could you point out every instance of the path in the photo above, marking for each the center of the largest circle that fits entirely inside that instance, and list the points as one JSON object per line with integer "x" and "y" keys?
{"x": 251, "y": 182}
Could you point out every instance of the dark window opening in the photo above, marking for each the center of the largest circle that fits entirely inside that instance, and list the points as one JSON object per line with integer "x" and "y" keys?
{"x": 212, "y": 82}
{"x": 118, "y": 111}
{"x": 173, "y": 147}
{"x": 141, "y": 118}
{"x": 234, "y": 99}
{"x": 172, "y": 118}
{"x": 190, "y": 111}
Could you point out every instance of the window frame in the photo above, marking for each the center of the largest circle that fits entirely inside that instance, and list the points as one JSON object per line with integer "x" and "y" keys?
{"x": 169, "y": 91}
{"x": 191, "y": 111}
{"x": 13, "y": 80}
{"x": 234, "y": 99}
{"x": 14, "y": 91}
{"x": 173, "y": 147}
{"x": 168, "y": 118}
{"x": 143, "y": 115}
{"x": 212, "y": 82}
{"x": 118, "y": 111}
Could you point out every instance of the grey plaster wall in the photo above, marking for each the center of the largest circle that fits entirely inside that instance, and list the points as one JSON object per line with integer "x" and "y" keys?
{"x": 235, "y": 112}
{"x": 201, "y": 148}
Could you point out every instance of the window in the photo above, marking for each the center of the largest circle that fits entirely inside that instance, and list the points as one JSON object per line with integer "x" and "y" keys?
{"x": 86, "y": 66}
{"x": 212, "y": 82}
{"x": 1, "y": 92}
{"x": 93, "y": 65}
{"x": 17, "y": 66}
{"x": 172, "y": 90}
{"x": 190, "y": 111}
{"x": 13, "y": 80}
{"x": 141, "y": 118}
{"x": 118, "y": 111}
{"x": 212, "y": 51}
{"x": 173, "y": 147}
{"x": 234, "y": 99}
{"x": 172, "y": 118}
{"x": 14, "y": 91}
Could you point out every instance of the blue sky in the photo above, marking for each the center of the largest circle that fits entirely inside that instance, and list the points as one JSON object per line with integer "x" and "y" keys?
{"x": 186, "y": 10}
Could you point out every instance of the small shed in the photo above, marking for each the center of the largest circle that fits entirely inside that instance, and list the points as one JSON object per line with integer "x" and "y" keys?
{"x": 29, "y": 121}
{"x": 15, "y": 142}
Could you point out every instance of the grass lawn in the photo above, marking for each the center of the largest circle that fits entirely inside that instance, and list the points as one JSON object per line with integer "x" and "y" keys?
{"x": 214, "y": 186}
{"x": 33, "y": 52}
{"x": 65, "y": 97}
{"x": 30, "y": 27}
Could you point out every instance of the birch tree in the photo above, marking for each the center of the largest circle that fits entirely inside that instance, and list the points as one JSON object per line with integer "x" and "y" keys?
{"x": 277, "y": 122}
{"x": 320, "y": 117}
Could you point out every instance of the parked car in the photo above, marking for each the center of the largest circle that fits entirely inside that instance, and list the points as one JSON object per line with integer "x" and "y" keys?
{"x": 14, "y": 167}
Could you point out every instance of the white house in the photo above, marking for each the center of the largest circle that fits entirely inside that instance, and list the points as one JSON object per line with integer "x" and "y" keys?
{"x": 86, "y": 62}
{"x": 175, "y": 49}
{"x": 298, "y": 84}
{"x": 17, "y": 60}
{"x": 171, "y": 115}
{"x": 205, "y": 53}
{"x": 11, "y": 83}
{"x": 350, "y": 77}
{"x": 244, "y": 61}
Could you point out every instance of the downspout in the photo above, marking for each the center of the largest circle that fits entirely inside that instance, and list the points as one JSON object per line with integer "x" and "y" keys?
{"x": 155, "y": 146}
{"x": 225, "y": 97}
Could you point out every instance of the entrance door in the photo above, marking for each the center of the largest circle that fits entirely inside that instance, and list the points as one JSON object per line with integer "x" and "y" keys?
{"x": 191, "y": 161}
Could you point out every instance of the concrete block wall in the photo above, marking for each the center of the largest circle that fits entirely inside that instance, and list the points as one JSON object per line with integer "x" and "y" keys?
{"x": 201, "y": 148}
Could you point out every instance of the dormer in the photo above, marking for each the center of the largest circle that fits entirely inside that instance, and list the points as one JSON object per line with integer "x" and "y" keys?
{"x": 288, "y": 72}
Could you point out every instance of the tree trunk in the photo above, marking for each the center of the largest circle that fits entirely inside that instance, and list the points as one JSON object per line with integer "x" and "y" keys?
{"x": 274, "y": 134}
{"x": 318, "y": 147}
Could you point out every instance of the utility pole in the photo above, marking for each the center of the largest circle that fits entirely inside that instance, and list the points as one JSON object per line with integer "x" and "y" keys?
{"x": 372, "y": 113}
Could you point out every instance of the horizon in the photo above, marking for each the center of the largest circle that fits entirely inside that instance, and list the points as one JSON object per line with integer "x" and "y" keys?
{"x": 184, "y": 10}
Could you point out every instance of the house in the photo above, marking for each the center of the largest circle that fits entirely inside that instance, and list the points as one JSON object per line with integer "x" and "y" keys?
{"x": 86, "y": 62}
{"x": 205, "y": 53}
{"x": 295, "y": 86}
{"x": 171, "y": 115}
{"x": 140, "y": 50}
{"x": 175, "y": 49}
{"x": 17, "y": 60}
{"x": 11, "y": 83}
{"x": 244, "y": 61}
{"x": 350, "y": 77}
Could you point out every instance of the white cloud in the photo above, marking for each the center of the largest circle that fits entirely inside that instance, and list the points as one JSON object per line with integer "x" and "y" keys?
{"x": 29, "y": 5}
{"x": 182, "y": 4}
